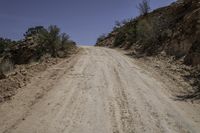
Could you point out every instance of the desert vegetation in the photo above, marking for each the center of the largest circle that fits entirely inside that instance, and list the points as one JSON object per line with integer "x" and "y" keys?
{"x": 38, "y": 41}
{"x": 20, "y": 60}
{"x": 172, "y": 31}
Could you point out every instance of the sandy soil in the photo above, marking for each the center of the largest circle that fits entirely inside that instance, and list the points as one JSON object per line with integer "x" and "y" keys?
{"x": 98, "y": 91}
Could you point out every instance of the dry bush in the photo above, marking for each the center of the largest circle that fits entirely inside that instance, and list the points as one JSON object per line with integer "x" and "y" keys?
{"x": 144, "y": 7}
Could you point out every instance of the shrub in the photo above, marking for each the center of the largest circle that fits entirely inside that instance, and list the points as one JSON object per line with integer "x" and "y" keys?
{"x": 131, "y": 33}
{"x": 126, "y": 34}
{"x": 146, "y": 36}
{"x": 66, "y": 45}
{"x": 34, "y": 31}
{"x": 38, "y": 42}
{"x": 120, "y": 39}
{"x": 53, "y": 42}
{"x": 149, "y": 34}
{"x": 4, "y": 45}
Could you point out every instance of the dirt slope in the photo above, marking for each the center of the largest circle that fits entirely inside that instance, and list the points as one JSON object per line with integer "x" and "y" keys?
{"x": 99, "y": 91}
{"x": 173, "y": 30}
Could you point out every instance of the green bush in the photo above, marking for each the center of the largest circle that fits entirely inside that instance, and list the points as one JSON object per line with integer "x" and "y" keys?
{"x": 37, "y": 42}
{"x": 50, "y": 40}
{"x": 5, "y": 44}
{"x": 126, "y": 34}
{"x": 34, "y": 31}
{"x": 120, "y": 39}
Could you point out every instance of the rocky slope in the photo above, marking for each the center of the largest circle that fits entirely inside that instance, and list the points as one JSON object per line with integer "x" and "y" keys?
{"x": 176, "y": 29}
{"x": 20, "y": 75}
{"x": 171, "y": 32}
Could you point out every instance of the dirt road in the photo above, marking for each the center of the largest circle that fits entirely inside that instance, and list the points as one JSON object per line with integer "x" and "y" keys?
{"x": 98, "y": 91}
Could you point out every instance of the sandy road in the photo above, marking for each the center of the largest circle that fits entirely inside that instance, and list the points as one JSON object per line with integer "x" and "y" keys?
{"x": 99, "y": 91}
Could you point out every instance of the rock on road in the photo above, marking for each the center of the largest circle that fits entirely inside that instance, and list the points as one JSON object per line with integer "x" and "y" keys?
{"x": 98, "y": 91}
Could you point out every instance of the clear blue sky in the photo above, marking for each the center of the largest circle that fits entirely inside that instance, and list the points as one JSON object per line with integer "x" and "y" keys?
{"x": 83, "y": 20}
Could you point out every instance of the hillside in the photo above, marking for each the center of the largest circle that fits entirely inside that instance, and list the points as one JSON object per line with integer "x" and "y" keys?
{"x": 171, "y": 32}
{"x": 22, "y": 60}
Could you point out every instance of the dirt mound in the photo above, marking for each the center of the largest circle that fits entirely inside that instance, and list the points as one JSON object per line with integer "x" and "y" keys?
{"x": 22, "y": 75}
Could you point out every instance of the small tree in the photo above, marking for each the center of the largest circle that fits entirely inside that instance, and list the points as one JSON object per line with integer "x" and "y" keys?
{"x": 54, "y": 39}
{"x": 144, "y": 7}
{"x": 65, "y": 41}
